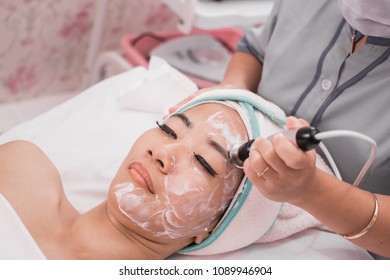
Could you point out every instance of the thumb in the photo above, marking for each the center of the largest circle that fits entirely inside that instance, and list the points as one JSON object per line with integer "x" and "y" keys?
{"x": 189, "y": 98}
{"x": 293, "y": 122}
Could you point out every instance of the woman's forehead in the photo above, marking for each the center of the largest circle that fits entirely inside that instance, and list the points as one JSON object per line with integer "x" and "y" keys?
{"x": 217, "y": 112}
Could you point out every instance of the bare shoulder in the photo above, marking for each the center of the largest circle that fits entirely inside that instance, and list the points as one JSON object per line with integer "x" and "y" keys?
{"x": 21, "y": 152}
{"x": 22, "y": 160}
{"x": 32, "y": 185}
{"x": 17, "y": 145}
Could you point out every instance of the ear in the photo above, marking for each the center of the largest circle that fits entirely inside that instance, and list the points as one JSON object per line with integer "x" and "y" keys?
{"x": 201, "y": 236}
{"x": 206, "y": 233}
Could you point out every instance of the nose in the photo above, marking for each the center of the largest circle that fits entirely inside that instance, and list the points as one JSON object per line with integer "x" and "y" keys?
{"x": 166, "y": 155}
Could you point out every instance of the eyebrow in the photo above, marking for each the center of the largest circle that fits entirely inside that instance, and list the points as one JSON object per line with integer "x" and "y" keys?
{"x": 220, "y": 149}
{"x": 187, "y": 122}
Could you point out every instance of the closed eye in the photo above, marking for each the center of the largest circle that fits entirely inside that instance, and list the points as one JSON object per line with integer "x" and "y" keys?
{"x": 206, "y": 166}
{"x": 169, "y": 131}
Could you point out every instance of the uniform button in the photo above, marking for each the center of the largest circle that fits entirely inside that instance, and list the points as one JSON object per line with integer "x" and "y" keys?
{"x": 326, "y": 84}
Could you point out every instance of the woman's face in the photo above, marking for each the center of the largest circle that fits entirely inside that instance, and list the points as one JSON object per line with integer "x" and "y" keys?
{"x": 177, "y": 178}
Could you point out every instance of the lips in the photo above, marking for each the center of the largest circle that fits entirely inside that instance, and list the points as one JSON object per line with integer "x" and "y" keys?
{"x": 141, "y": 176}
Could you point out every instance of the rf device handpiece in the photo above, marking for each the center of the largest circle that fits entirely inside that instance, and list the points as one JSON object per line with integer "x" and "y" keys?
{"x": 304, "y": 138}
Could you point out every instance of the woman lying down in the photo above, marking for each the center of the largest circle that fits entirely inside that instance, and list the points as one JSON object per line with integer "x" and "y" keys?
{"x": 172, "y": 189}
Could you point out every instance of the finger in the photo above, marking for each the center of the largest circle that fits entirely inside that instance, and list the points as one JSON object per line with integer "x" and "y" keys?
{"x": 290, "y": 154}
{"x": 181, "y": 103}
{"x": 255, "y": 163}
{"x": 188, "y": 99}
{"x": 293, "y": 122}
{"x": 256, "y": 172}
{"x": 269, "y": 155}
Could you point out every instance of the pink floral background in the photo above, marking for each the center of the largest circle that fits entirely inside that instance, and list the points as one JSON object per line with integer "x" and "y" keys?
{"x": 44, "y": 43}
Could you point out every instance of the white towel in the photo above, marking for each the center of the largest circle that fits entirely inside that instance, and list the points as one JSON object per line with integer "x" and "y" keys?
{"x": 16, "y": 242}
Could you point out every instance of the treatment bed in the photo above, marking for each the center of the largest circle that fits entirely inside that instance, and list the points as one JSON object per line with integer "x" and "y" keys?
{"x": 88, "y": 135}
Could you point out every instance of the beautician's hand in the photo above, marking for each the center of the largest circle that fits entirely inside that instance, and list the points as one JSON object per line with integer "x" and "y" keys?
{"x": 188, "y": 99}
{"x": 195, "y": 94}
{"x": 279, "y": 169}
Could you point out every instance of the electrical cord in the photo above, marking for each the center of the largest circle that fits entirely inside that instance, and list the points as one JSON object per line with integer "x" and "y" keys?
{"x": 353, "y": 134}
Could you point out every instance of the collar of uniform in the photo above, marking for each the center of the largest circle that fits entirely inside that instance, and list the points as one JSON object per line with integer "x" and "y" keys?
{"x": 380, "y": 41}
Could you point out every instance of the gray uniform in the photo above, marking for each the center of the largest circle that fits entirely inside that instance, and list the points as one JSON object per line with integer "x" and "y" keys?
{"x": 307, "y": 71}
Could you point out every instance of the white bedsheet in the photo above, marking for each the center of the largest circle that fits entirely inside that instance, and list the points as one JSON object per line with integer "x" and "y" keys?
{"x": 14, "y": 113}
{"x": 88, "y": 136}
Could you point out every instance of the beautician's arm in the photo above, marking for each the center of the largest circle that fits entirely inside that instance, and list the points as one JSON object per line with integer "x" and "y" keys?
{"x": 348, "y": 210}
{"x": 294, "y": 178}
{"x": 244, "y": 71}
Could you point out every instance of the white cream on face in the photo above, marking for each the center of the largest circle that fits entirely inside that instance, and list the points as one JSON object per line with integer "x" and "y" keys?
{"x": 184, "y": 207}
{"x": 133, "y": 200}
{"x": 183, "y": 210}
{"x": 217, "y": 122}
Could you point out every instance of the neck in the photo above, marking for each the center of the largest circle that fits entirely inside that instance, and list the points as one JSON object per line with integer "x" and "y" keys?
{"x": 355, "y": 45}
{"x": 98, "y": 235}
